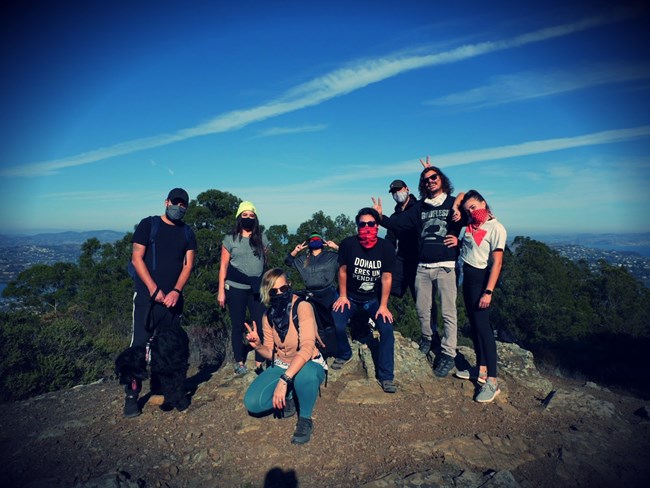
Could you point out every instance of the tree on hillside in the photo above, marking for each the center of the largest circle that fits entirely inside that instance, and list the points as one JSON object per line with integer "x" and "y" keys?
{"x": 541, "y": 296}
{"x": 621, "y": 302}
{"x": 45, "y": 287}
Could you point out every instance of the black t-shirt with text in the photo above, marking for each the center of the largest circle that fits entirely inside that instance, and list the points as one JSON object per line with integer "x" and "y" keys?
{"x": 365, "y": 266}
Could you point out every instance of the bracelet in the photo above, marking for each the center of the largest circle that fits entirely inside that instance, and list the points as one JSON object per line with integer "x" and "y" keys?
{"x": 287, "y": 379}
{"x": 487, "y": 292}
{"x": 177, "y": 291}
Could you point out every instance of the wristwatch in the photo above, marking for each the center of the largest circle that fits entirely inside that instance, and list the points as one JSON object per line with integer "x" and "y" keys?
{"x": 487, "y": 292}
{"x": 287, "y": 379}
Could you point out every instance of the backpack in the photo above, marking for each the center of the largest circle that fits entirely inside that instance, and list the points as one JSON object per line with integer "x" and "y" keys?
{"x": 155, "y": 225}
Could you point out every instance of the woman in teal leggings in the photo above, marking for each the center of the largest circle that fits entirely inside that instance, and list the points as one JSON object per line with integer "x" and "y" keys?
{"x": 290, "y": 342}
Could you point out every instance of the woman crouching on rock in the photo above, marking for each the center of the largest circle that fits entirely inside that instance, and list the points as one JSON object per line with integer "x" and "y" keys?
{"x": 298, "y": 367}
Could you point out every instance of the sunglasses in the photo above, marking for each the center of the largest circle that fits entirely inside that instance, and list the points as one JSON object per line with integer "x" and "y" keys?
{"x": 278, "y": 291}
{"x": 433, "y": 177}
{"x": 372, "y": 223}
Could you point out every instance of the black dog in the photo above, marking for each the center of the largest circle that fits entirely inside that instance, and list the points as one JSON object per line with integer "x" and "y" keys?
{"x": 168, "y": 356}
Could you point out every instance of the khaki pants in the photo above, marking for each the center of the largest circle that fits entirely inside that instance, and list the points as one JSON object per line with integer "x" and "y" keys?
{"x": 442, "y": 280}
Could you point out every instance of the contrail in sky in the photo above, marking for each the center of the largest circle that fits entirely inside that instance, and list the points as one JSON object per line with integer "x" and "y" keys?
{"x": 334, "y": 84}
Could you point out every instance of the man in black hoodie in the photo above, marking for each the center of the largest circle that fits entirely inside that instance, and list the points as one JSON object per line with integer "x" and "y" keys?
{"x": 432, "y": 218}
{"x": 405, "y": 242}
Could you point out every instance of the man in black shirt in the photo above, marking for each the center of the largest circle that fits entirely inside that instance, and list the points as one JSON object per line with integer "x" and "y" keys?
{"x": 365, "y": 276}
{"x": 163, "y": 256}
{"x": 405, "y": 243}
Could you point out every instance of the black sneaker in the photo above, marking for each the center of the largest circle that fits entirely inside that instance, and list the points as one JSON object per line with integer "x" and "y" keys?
{"x": 289, "y": 408}
{"x": 302, "y": 434}
{"x": 424, "y": 345}
{"x": 131, "y": 408}
{"x": 445, "y": 365}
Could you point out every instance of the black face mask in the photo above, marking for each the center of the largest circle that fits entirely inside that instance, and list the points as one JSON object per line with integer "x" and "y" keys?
{"x": 280, "y": 312}
{"x": 247, "y": 223}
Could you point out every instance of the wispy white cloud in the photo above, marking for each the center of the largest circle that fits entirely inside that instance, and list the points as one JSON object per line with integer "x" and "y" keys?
{"x": 360, "y": 172}
{"x": 531, "y": 85}
{"x": 281, "y": 131}
{"x": 334, "y": 84}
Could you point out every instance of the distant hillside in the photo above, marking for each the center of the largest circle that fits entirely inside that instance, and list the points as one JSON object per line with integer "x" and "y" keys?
{"x": 635, "y": 263}
{"x": 19, "y": 252}
{"x": 59, "y": 238}
{"x": 633, "y": 242}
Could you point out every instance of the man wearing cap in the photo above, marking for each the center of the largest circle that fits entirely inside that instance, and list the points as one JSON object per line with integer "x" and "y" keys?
{"x": 405, "y": 242}
{"x": 163, "y": 263}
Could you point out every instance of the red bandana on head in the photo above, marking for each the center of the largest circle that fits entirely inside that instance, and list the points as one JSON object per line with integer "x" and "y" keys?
{"x": 368, "y": 236}
{"x": 479, "y": 217}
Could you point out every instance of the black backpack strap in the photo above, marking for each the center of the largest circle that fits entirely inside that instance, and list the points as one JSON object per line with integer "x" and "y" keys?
{"x": 155, "y": 225}
{"x": 294, "y": 317}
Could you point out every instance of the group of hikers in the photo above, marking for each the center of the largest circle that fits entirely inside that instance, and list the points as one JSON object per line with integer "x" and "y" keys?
{"x": 293, "y": 333}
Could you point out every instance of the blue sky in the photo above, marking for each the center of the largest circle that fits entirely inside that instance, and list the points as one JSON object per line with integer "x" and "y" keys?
{"x": 108, "y": 105}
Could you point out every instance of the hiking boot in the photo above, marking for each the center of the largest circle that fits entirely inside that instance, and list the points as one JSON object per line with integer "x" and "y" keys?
{"x": 240, "y": 369}
{"x": 472, "y": 374}
{"x": 131, "y": 408}
{"x": 289, "y": 408}
{"x": 488, "y": 392}
{"x": 388, "y": 386}
{"x": 302, "y": 434}
{"x": 339, "y": 363}
{"x": 445, "y": 365}
{"x": 424, "y": 345}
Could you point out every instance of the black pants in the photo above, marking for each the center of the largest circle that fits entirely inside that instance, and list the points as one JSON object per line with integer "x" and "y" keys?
{"x": 485, "y": 346}
{"x": 403, "y": 277}
{"x": 322, "y": 301}
{"x": 146, "y": 317}
{"x": 238, "y": 301}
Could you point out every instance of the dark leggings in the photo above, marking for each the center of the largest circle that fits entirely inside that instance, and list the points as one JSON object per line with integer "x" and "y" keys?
{"x": 238, "y": 300}
{"x": 474, "y": 282}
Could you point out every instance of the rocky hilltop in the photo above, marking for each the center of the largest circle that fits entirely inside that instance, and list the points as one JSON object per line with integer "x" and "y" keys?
{"x": 540, "y": 432}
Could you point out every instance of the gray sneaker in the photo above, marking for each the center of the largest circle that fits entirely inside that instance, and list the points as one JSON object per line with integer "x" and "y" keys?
{"x": 240, "y": 369}
{"x": 445, "y": 365}
{"x": 388, "y": 386}
{"x": 472, "y": 374}
{"x": 488, "y": 392}
{"x": 339, "y": 363}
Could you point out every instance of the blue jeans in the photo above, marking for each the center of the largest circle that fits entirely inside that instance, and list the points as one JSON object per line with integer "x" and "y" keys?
{"x": 259, "y": 396}
{"x": 385, "y": 361}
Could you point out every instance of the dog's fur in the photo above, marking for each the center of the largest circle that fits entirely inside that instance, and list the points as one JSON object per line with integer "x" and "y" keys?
{"x": 169, "y": 350}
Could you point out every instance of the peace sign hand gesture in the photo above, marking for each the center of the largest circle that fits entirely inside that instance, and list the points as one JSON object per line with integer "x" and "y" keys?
{"x": 425, "y": 164}
{"x": 252, "y": 337}
{"x": 376, "y": 204}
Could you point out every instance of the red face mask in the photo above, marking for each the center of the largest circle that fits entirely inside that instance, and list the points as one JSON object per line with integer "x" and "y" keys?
{"x": 478, "y": 218}
{"x": 368, "y": 236}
